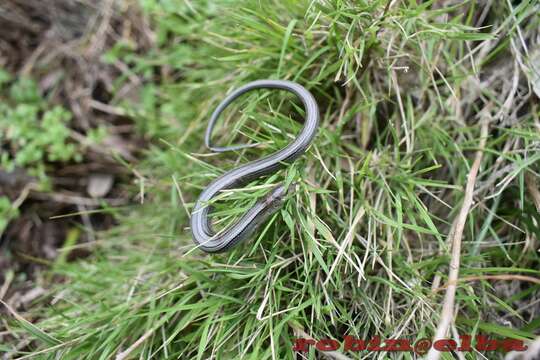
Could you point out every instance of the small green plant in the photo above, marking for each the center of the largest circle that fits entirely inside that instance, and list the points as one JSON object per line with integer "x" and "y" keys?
{"x": 97, "y": 135}
{"x": 33, "y": 135}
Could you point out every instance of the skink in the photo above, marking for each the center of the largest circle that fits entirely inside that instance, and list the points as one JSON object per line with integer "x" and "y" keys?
{"x": 203, "y": 235}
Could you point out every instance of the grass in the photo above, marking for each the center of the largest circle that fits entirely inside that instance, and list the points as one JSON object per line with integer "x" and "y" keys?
{"x": 363, "y": 247}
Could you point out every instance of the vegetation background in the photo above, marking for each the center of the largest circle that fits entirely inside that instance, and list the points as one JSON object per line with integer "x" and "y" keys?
{"x": 418, "y": 206}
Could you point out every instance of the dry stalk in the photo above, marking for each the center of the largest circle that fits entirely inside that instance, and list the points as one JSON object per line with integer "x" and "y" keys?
{"x": 457, "y": 236}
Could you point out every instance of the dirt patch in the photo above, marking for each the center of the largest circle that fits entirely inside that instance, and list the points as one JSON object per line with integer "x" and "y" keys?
{"x": 60, "y": 45}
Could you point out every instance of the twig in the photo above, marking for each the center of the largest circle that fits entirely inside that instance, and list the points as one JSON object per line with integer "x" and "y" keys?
{"x": 492, "y": 277}
{"x": 448, "y": 304}
{"x": 532, "y": 187}
{"x": 77, "y": 200}
{"x": 9, "y": 275}
{"x": 125, "y": 354}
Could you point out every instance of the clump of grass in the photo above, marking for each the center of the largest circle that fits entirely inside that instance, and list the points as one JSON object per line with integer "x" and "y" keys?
{"x": 409, "y": 93}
